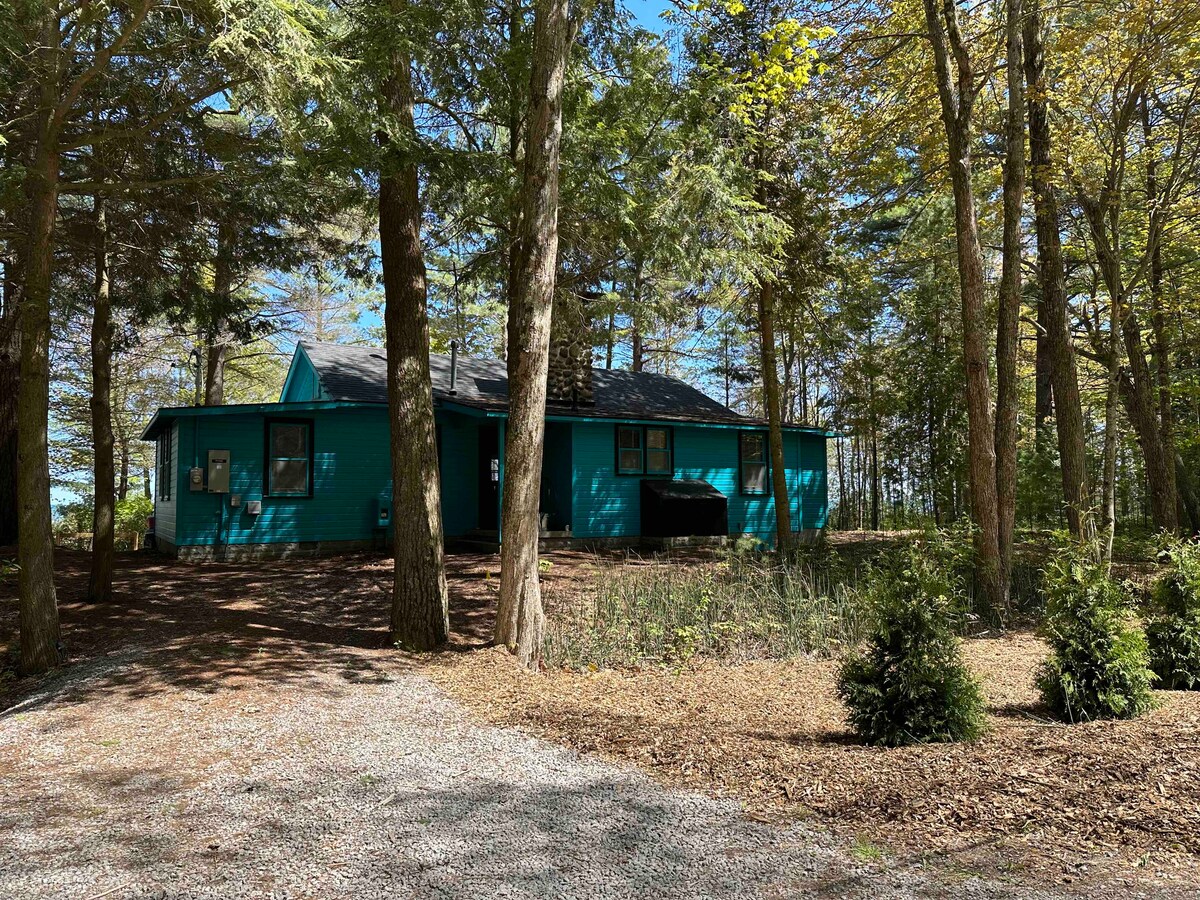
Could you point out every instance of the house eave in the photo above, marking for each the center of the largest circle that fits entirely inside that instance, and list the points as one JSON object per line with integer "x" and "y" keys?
{"x": 167, "y": 414}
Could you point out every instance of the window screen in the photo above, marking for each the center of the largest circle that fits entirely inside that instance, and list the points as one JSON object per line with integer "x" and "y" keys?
{"x": 629, "y": 450}
{"x": 289, "y": 459}
{"x": 644, "y": 450}
{"x": 658, "y": 451}
{"x": 752, "y": 450}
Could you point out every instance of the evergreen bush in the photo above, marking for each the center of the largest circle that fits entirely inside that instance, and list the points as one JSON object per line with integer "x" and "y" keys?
{"x": 1173, "y": 634}
{"x": 1098, "y": 662}
{"x": 909, "y": 684}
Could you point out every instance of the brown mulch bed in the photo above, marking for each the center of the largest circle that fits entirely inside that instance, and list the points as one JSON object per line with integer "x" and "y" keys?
{"x": 1104, "y": 802}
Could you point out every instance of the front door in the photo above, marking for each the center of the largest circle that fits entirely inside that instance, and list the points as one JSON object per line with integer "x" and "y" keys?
{"x": 489, "y": 477}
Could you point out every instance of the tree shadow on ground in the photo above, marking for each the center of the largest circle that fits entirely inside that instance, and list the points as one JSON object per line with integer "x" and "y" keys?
{"x": 222, "y": 626}
{"x": 465, "y": 837}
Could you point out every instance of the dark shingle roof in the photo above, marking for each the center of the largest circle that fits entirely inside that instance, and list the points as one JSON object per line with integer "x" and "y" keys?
{"x": 358, "y": 373}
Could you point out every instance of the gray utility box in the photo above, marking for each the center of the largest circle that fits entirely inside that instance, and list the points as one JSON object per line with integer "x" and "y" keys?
{"x": 218, "y": 471}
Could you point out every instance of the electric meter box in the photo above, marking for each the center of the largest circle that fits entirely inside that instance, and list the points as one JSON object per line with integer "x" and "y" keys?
{"x": 383, "y": 512}
{"x": 196, "y": 478}
{"x": 218, "y": 471}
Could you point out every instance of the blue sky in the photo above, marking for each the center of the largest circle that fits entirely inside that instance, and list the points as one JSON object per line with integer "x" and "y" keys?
{"x": 647, "y": 12}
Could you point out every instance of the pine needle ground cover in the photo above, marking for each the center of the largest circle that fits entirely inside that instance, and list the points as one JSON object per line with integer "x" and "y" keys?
{"x": 1096, "y": 805}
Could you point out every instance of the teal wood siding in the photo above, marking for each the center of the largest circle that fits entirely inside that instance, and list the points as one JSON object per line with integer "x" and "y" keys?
{"x": 351, "y": 471}
{"x": 814, "y": 472}
{"x": 302, "y": 383}
{"x": 605, "y": 504}
{"x": 165, "y": 510}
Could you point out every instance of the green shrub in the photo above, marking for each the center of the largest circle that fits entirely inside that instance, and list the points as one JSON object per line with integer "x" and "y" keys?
{"x": 909, "y": 685}
{"x": 1098, "y": 663}
{"x": 132, "y": 513}
{"x": 1173, "y": 635}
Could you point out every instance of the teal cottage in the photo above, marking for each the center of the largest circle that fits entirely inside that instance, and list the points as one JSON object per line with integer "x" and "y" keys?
{"x": 629, "y": 457}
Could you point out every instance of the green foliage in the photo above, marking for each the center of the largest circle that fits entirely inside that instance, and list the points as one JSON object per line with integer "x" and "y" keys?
{"x": 72, "y": 519}
{"x": 741, "y": 607}
{"x": 909, "y": 684}
{"x": 75, "y": 518}
{"x": 1173, "y": 635}
{"x": 132, "y": 513}
{"x": 1098, "y": 663}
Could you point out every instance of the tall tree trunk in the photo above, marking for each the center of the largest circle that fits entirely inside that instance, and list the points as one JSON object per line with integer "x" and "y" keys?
{"x": 216, "y": 351}
{"x": 520, "y": 621}
{"x": 1009, "y": 318}
{"x": 103, "y": 513}
{"x": 638, "y": 347}
{"x": 934, "y": 466}
{"x": 123, "y": 480}
{"x": 1108, "y": 500}
{"x": 1189, "y": 496}
{"x": 1043, "y": 386}
{"x": 145, "y": 483}
{"x": 35, "y": 556}
{"x": 419, "y": 599}
{"x": 1138, "y": 396}
{"x": 1182, "y": 482}
{"x": 876, "y": 499}
{"x": 1138, "y": 391}
{"x": 841, "y": 476}
{"x": 1068, "y": 410}
{"x": 10, "y": 380}
{"x": 517, "y": 102}
{"x": 12, "y": 155}
{"x": 610, "y": 341}
{"x": 956, "y": 95}
{"x": 876, "y": 482}
{"x": 770, "y": 377}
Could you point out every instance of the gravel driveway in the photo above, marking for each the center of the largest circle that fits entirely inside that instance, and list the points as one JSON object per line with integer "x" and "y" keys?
{"x": 372, "y": 786}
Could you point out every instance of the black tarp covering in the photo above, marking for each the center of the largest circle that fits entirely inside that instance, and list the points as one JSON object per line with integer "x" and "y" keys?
{"x": 683, "y": 508}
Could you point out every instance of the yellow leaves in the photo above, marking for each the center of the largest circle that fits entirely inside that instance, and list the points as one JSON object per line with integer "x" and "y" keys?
{"x": 781, "y": 68}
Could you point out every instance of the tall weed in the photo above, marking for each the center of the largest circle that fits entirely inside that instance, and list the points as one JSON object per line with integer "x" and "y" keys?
{"x": 671, "y": 612}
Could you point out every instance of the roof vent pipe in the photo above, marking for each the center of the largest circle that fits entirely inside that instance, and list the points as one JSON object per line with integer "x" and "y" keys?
{"x": 453, "y": 367}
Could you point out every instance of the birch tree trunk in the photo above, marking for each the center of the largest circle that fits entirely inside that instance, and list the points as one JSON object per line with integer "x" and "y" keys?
{"x": 420, "y": 617}
{"x": 103, "y": 513}
{"x": 520, "y": 621}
